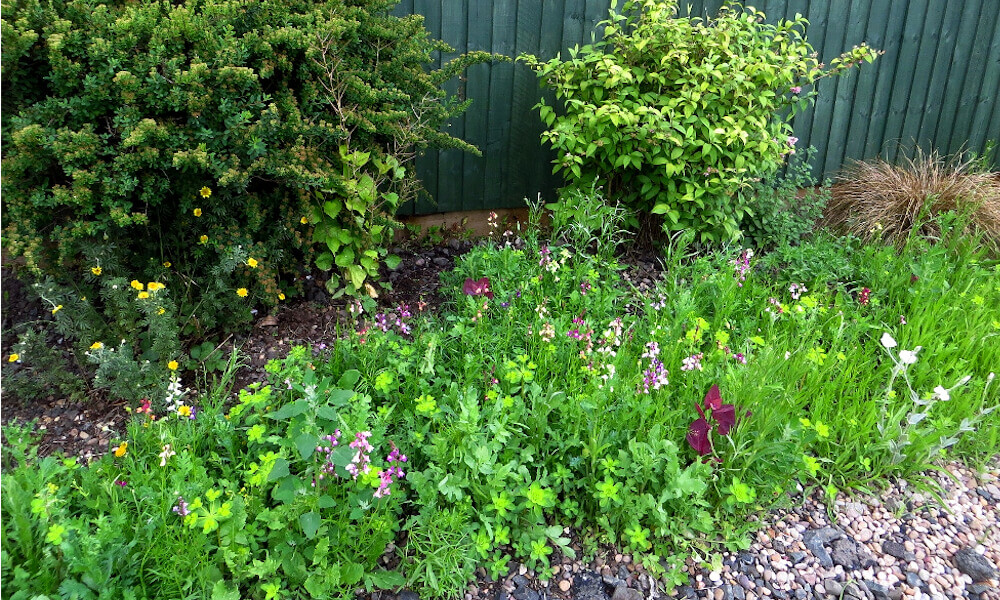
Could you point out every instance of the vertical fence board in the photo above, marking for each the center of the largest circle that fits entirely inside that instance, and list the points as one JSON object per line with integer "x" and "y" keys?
{"x": 451, "y": 163}
{"x": 985, "y": 116}
{"x": 864, "y": 98}
{"x": 978, "y": 63}
{"x": 958, "y": 70}
{"x": 886, "y": 67}
{"x": 428, "y": 161}
{"x": 940, "y": 73}
{"x": 937, "y": 84}
{"x": 843, "y": 106}
{"x": 480, "y": 37}
{"x": 501, "y": 81}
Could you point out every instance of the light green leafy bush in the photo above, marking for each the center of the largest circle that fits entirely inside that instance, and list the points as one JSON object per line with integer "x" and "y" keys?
{"x": 674, "y": 116}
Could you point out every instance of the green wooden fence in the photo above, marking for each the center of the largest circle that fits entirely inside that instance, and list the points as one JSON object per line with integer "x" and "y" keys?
{"x": 937, "y": 85}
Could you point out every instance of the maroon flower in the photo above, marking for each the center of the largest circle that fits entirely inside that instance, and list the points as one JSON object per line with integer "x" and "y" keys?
{"x": 721, "y": 417}
{"x": 481, "y": 287}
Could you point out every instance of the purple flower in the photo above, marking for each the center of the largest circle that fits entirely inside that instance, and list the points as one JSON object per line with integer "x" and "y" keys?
{"x": 121, "y": 482}
{"x": 796, "y": 90}
{"x": 181, "y": 508}
{"x": 791, "y": 141}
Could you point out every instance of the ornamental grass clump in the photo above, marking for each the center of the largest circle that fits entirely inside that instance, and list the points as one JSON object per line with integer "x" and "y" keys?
{"x": 879, "y": 201}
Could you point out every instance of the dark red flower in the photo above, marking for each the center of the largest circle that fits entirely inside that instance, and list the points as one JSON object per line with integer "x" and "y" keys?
{"x": 479, "y": 287}
{"x": 699, "y": 436}
{"x": 722, "y": 417}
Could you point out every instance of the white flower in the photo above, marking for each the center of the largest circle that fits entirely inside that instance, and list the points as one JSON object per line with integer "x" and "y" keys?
{"x": 908, "y": 357}
{"x": 941, "y": 393}
{"x": 166, "y": 454}
{"x": 888, "y": 341}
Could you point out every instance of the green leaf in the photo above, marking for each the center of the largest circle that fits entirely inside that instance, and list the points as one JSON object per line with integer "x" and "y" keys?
{"x": 660, "y": 208}
{"x": 340, "y": 397}
{"x": 310, "y": 523}
{"x": 326, "y": 502}
{"x": 349, "y": 379}
{"x": 392, "y": 261}
{"x": 324, "y": 261}
{"x": 345, "y": 258}
{"x": 357, "y": 275}
{"x": 386, "y": 579}
{"x": 332, "y": 208}
{"x": 292, "y": 409}
{"x": 351, "y": 573}
{"x": 222, "y": 591}
{"x": 279, "y": 470}
{"x": 306, "y": 444}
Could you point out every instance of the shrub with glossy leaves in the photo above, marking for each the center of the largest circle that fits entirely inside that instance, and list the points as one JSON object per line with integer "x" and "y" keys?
{"x": 196, "y": 133}
{"x": 675, "y": 115}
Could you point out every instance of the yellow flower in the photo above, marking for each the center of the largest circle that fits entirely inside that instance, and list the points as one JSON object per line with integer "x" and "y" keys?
{"x": 172, "y": 365}
{"x": 121, "y": 450}
{"x": 203, "y": 239}
{"x": 197, "y": 212}
{"x": 281, "y": 296}
{"x": 184, "y": 410}
{"x": 205, "y": 192}
{"x": 161, "y": 310}
{"x": 95, "y": 270}
{"x": 136, "y": 284}
{"x": 242, "y": 292}
{"x": 155, "y": 285}
{"x": 252, "y": 262}
{"x": 143, "y": 295}
{"x": 304, "y": 220}
{"x": 97, "y": 345}
{"x": 57, "y": 309}
{"x": 166, "y": 264}
{"x": 13, "y": 357}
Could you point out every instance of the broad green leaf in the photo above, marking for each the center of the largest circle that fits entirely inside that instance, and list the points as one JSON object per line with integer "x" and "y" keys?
{"x": 292, "y": 409}
{"x": 324, "y": 261}
{"x": 306, "y": 444}
{"x": 310, "y": 523}
{"x": 279, "y": 470}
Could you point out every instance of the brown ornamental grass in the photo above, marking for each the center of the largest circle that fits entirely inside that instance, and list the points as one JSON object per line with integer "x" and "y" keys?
{"x": 879, "y": 201}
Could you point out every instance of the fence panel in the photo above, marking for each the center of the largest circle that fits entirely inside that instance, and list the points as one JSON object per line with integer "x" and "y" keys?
{"x": 937, "y": 86}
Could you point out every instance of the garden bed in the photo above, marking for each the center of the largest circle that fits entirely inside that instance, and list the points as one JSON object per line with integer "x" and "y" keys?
{"x": 515, "y": 407}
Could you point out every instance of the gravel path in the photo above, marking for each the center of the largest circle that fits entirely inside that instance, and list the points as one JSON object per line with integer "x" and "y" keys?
{"x": 902, "y": 545}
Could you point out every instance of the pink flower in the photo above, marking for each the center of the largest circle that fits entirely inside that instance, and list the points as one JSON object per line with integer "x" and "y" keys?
{"x": 796, "y": 89}
{"x": 478, "y": 287}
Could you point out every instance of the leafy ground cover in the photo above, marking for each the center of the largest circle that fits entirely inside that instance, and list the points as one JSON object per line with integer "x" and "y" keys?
{"x": 543, "y": 395}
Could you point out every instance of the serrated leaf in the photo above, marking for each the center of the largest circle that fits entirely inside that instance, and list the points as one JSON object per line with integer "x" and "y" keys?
{"x": 351, "y": 573}
{"x": 222, "y": 591}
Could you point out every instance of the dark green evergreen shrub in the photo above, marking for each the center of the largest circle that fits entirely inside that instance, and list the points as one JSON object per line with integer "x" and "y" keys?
{"x": 214, "y": 146}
